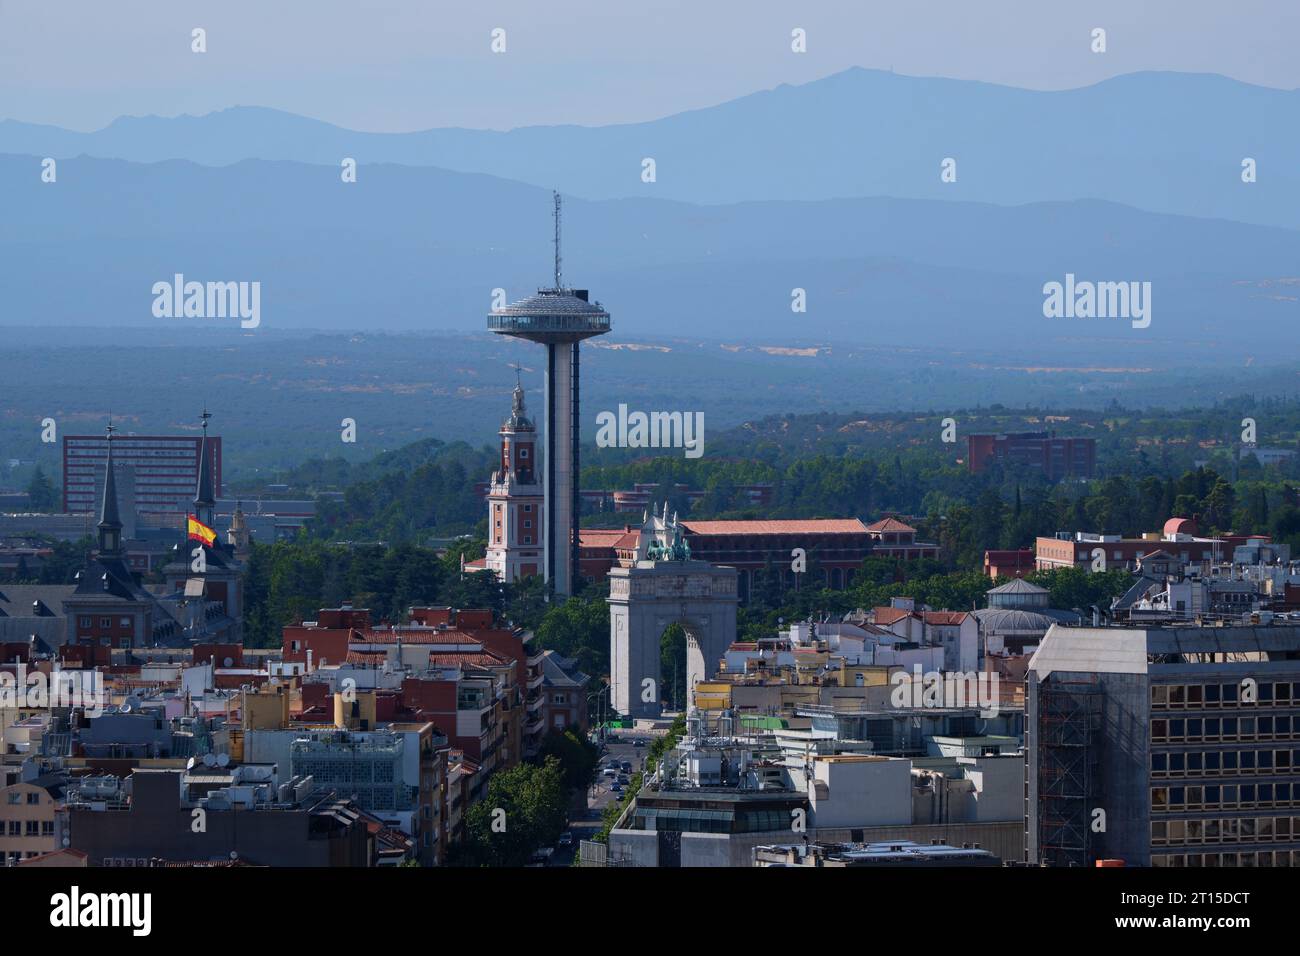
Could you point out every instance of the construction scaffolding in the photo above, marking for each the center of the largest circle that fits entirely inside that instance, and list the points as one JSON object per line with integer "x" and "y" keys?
{"x": 1069, "y": 730}
{"x": 591, "y": 853}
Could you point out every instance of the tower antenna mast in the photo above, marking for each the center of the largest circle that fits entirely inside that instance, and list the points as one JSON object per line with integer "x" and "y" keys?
{"x": 559, "y": 281}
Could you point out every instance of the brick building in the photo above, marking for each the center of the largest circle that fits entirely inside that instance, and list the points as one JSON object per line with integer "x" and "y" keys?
{"x": 164, "y": 468}
{"x": 1055, "y": 457}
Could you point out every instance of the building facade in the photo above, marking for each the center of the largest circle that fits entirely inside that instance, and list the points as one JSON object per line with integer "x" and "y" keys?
{"x": 164, "y": 470}
{"x": 1186, "y": 739}
{"x": 1042, "y": 451}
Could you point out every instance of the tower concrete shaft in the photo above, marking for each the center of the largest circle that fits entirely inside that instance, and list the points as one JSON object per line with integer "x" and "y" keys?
{"x": 560, "y": 475}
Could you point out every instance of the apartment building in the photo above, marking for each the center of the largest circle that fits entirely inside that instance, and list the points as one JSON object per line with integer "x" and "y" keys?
{"x": 1186, "y": 739}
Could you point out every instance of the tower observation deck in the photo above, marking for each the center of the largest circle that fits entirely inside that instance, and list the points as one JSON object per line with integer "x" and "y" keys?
{"x": 558, "y": 318}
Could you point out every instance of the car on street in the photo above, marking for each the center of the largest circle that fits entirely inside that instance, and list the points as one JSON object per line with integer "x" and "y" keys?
{"x": 623, "y": 779}
{"x": 616, "y": 787}
{"x": 566, "y": 839}
{"x": 625, "y": 766}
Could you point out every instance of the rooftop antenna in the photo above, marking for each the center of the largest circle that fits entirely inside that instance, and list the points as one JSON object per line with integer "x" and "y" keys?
{"x": 559, "y": 281}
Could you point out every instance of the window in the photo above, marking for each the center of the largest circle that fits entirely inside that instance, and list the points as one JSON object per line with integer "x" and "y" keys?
{"x": 33, "y": 799}
{"x": 86, "y": 622}
{"x": 123, "y": 622}
{"x": 523, "y": 452}
{"x": 105, "y": 622}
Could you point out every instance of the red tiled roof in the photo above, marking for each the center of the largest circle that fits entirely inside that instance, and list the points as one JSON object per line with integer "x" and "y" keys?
{"x": 419, "y": 635}
{"x": 484, "y": 658}
{"x": 943, "y": 617}
{"x": 793, "y": 526}
{"x": 600, "y": 535}
{"x": 891, "y": 525}
{"x": 369, "y": 658}
{"x": 65, "y": 852}
{"x": 888, "y": 615}
{"x": 600, "y": 538}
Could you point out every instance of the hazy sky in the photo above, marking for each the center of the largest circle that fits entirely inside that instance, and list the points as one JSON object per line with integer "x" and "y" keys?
{"x": 390, "y": 65}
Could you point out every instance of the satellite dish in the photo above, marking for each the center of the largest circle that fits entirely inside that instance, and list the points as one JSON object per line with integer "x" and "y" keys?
{"x": 209, "y": 760}
{"x": 189, "y": 764}
{"x": 223, "y": 760}
{"x": 228, "y": 662}
{"x": 234, "y": 854}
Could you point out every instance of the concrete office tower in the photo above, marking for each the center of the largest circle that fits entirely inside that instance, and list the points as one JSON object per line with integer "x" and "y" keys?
{"x": 558, "y": 318}
{"x": 1186, "y": 737}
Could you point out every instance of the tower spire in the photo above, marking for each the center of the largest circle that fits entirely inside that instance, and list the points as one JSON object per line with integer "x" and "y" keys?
{"x": 204, "y": 499}
{"x": 110, "y": 524}
{"x": 559, "y": 277}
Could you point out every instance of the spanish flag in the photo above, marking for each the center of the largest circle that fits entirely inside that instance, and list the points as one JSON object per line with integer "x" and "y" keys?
{"x": 198, "y": 531}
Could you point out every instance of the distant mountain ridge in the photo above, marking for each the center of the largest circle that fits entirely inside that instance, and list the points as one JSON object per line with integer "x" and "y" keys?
{"x": 1164, "y": 142}
{"x": 423, "y": 248}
